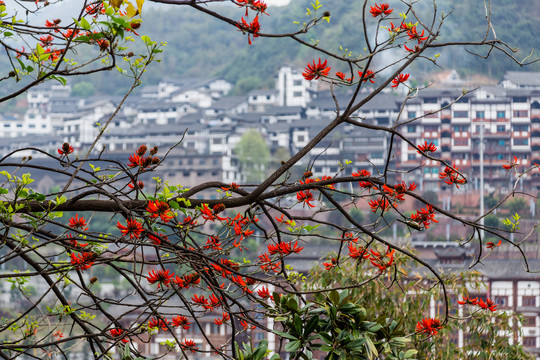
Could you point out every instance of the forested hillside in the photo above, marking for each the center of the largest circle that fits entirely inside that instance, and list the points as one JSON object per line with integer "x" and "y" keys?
{"x": 217, "y": 51}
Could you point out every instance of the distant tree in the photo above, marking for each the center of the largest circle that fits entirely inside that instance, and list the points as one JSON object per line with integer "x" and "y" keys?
{"x": 253, "y": 156}
{"x": 83, "y": 89}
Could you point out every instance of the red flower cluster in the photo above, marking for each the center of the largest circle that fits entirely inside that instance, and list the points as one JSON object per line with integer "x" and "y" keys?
{"x": 428, "y": 326}
{"x": 413, "y": 34}
{"x": 358, "y": 252}
{"x": 315, "y": 71}
{"x": 138, "y": 159}
{"x": 133, "y": 228}
{"x": 426, "y": 147}
{"x": 381, "y": 203}
{"x": 367, "y": 76}
{"x": 488, "y": 304}
{"x": 491, "y": 244}
{"x": 252, "y": 28}
{"x": 156, "y": 324}
{"x": 306, "y": 197}
{"x": 66, "y": 149}
{"x": 182, "y": 321}
{"x": 189, "y": 345}
{"x": 224, "y": 318}
{"x": 83, "y": 261}
{"x": 264, "y": 293}
{"x": 256, "y": 5}
{"x": 186, "y": 281}
{"x": 162, "y": 277}
{"x": 330, "y": 265}
{"x": 232, "y": 186}
{"x": 267, "y": 264}
{"x": 400, "y": 79}
{"x": 512, "y": 164}
{"x": 240, "y": 227}
{"x": 425, "y": 216}
{"x": 284, "y": 248}
{"x": 382, "y": 261}
{"x": 160, "y": 209}
{"x": 451, "y": 176}
{"x": 397, "y": 193}
{"x": 343, "y": 77}
{"x": 156, "y": 238}
{"x": 78, "y": 223}
{"x": 211, "y": 215}
{"x": 380, "y": 9}
{"x": 118, "y": 333}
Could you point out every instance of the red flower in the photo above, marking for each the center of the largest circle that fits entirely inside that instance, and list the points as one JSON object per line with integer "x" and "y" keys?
{"x": 263, "y": 292}
{"x": 451, "y": 176}
{"x": 78, "y": 223}
{"x": 66, "y": 149}
{"x": 161, "y": 209}
{"x": 157, "y": 239}
{"x": 468, "y": 301}
{"x": 491, "y": 244}
{"x": 201, "y": 300}
{"x": 83, "y": 261}
{"x": 363, "y": 173}
{"x": 487, "y": 305}
{"x": 512, "y": 164}
{"x": 140, "y": 185}
{"x": 231, "y": 186}
{"x": 220, "y": 321}
{"x": 46, "y": 40}
{"x": 189, "y": 345}
{"x": 53, "y": 24}
{"x": 134, "y": 161}
{"x": 380, "y": 10}
{"x": 426, "y": 147}
{"x": 118, "y": 333}
{"x": 161, "y": 323}
{"x": 284, "y": 248}
{"x": 381, "y": 203}
{"x": 315, "y": 71}
{"x": 186, "y": 281}
{"x": 330, "y": 265}
{"x": 306, "y": 197}
{"x": 416, "y": 48}
{"x": 367, "y": 76}
{"x": 401, "y": 78}
{"x": 182, "y": 321}
{"x": 252, "y": 28}
{"x": 380, "y": 261}
{"x": 133, "y": 228}
{"x": 425, "y": 216}
{"x": 342, "y": 76}
{"x": 428, "y": 326}
{"x": 413, "y": 34}
{"x": 357, "y": 252}
{"x": 162, "y": 277}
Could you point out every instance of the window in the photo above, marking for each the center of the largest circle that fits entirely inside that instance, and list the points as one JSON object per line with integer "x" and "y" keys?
{"x": 411, "y": 128}
{"x": 519, "y": 99}
{"x": 501, "y": 128}
{"x": 202, "y": 161}
{"x": 502, "y": 142}
{"x": 6, "y": 125}
{"x": 500, "y": 157}
{"x": 378, "y": 155}
{"x": 190, "y": 162}
{"x": 501, "y": 301}
{"x": 528, "y": 300}
{"x": 521, "y": 113}
{"x": 501, "y": 114}
{"x": 411, "y": 114}
{"x": 529, "y": 341}
{"x": 521, "y": 141}
{"x": 480, "y": 115}
{"x": 529, "y": 321}
{"x": 297, "y": 94}
{"x": 297, "y": 82}
{"x": 520, "y": 127}
{"x": 430, "y": 100}
{"x": 461, "y": 114}
{"x": 461, "y": 142}
{"x": 411, "y": 156}
{"x": 431, "y": 128}
{"x": 300, "y": 138}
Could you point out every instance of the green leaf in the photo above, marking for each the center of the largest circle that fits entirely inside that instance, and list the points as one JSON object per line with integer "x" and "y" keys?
{"x": 410, "y": 353}
{"x": 293, "y": 346}
{"x": 284, "y": 335}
